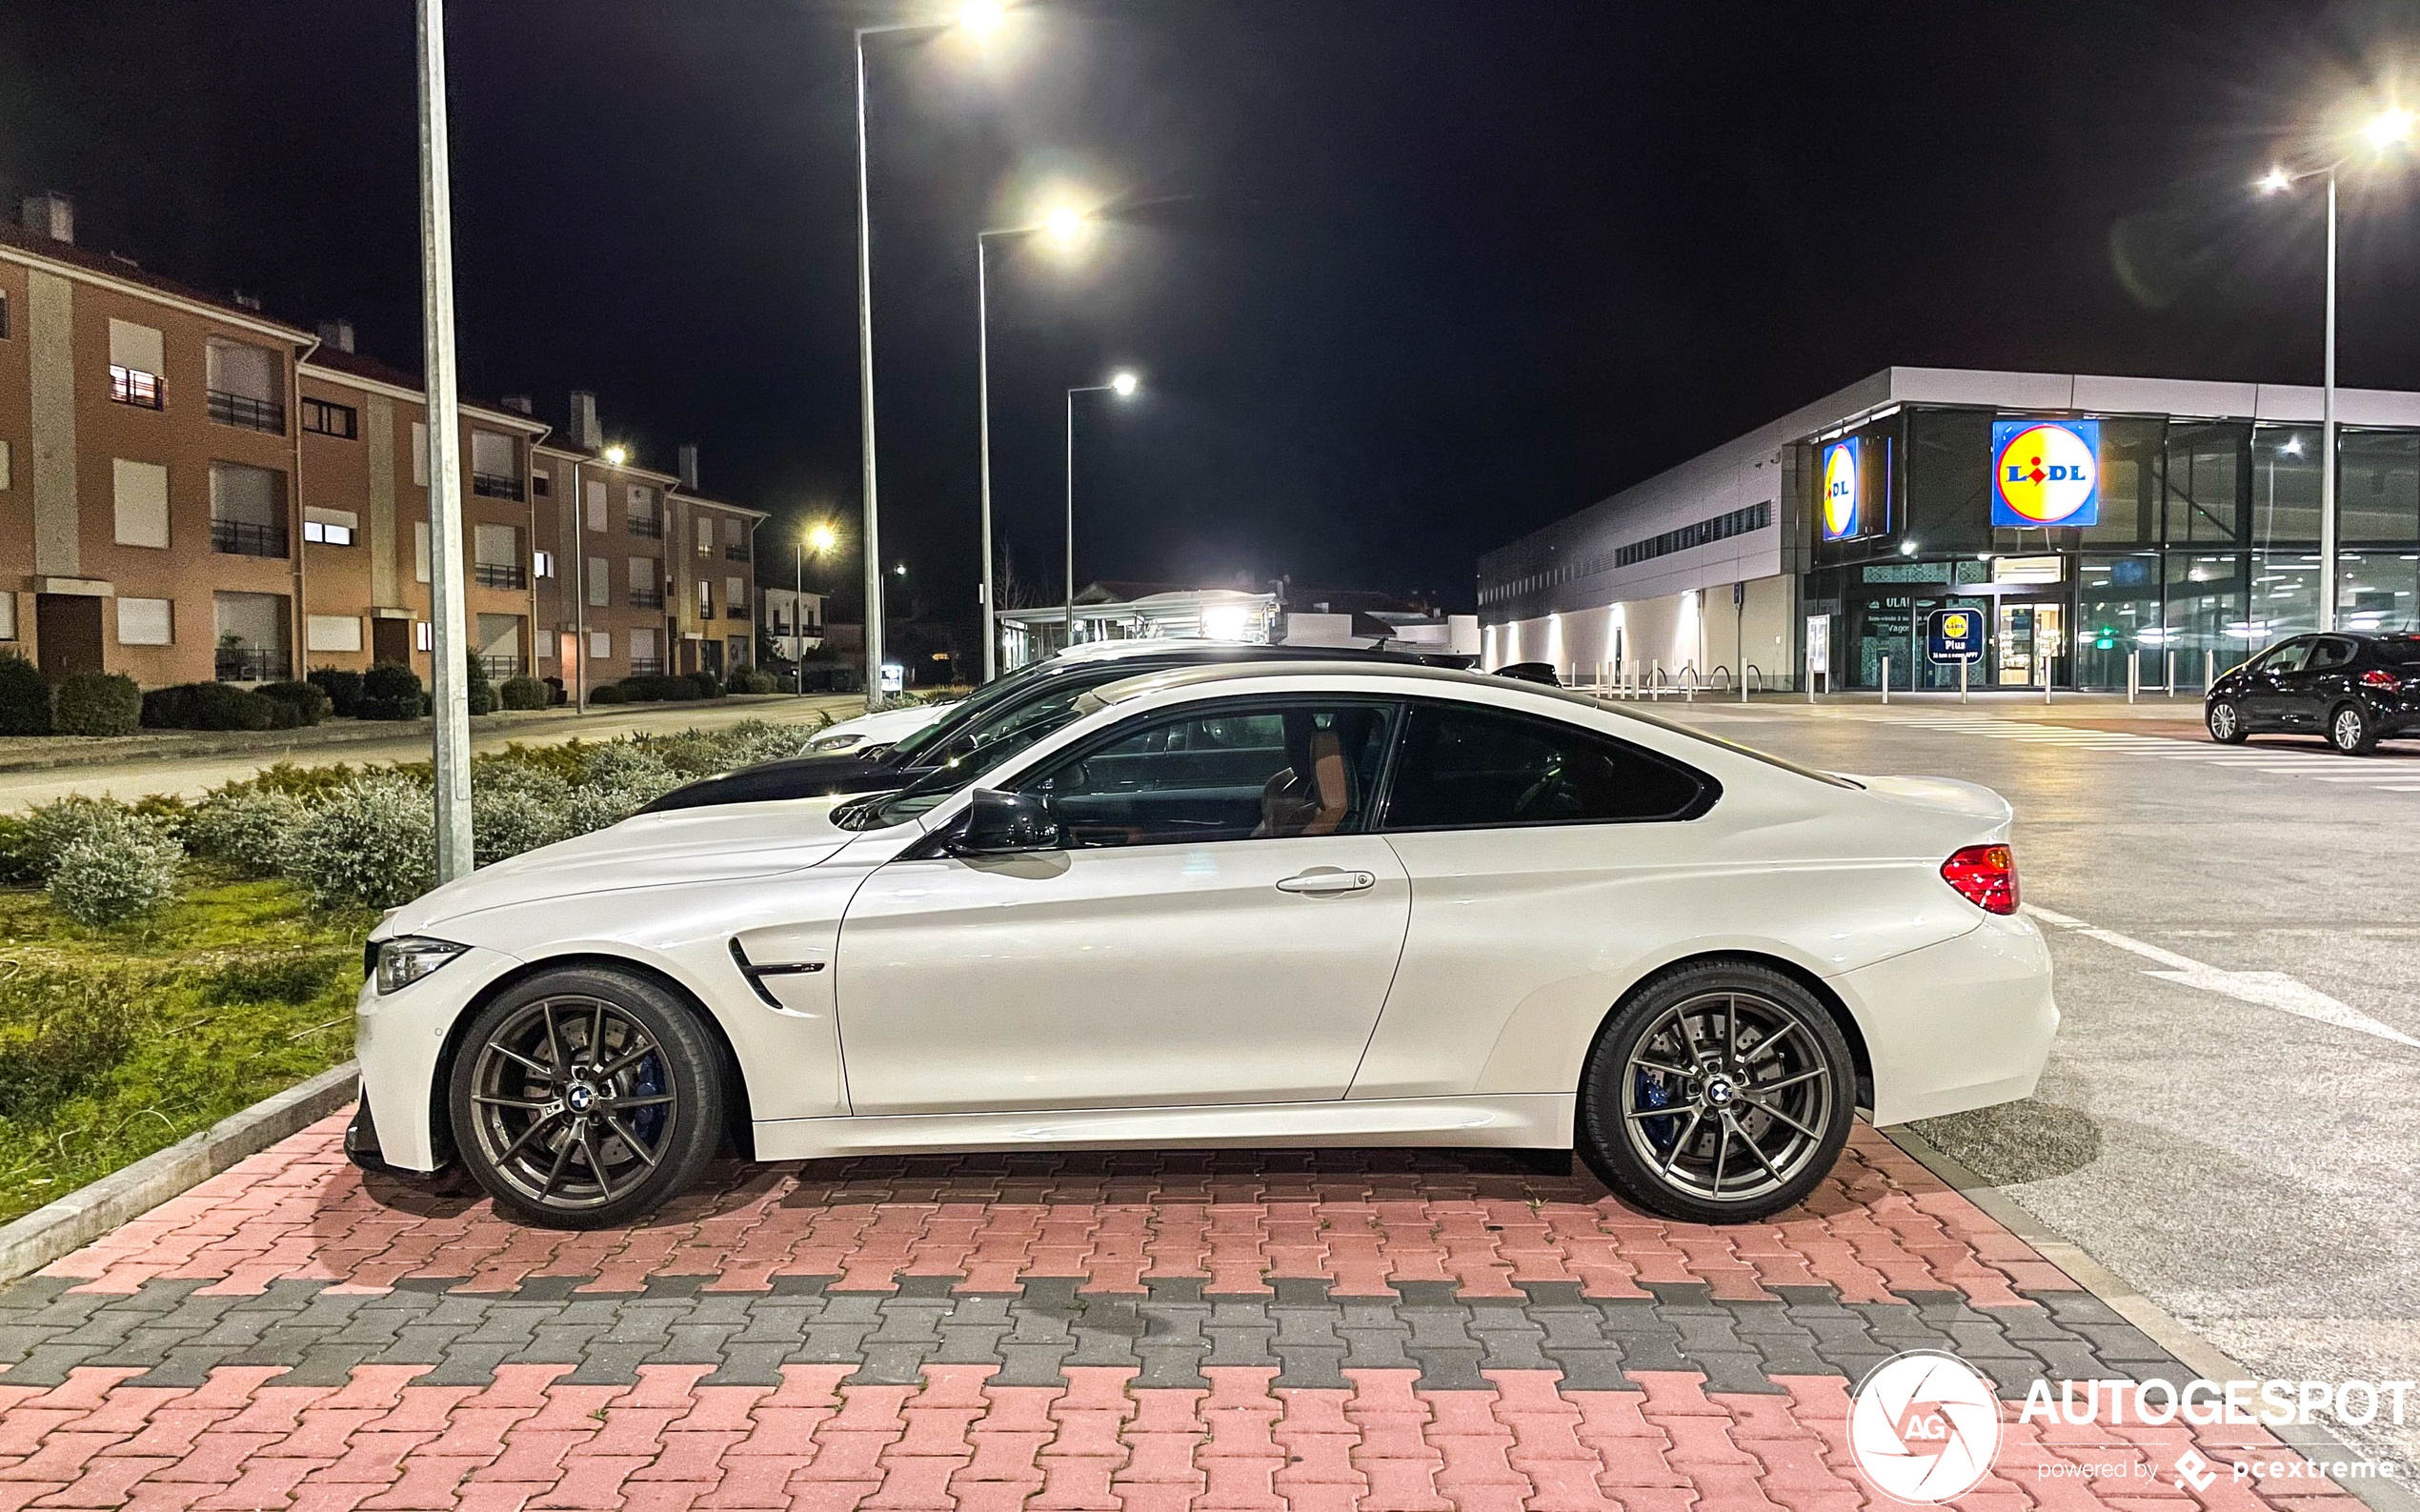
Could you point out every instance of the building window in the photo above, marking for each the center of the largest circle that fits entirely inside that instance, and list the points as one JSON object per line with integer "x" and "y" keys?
{"x": 4, "y": 335}
{"x": 420, "y": 457}
{"x": 600, "y": 643}
{"x": 146, "y": 621}
{"x": 705, "y": 599}
{"x": 1703, "y": 533}
{"x": 332, "y": 633}
{"x": 600, "y": 582}
{"x": 423, "y": 635}
{"x": 495, "y": 465}
{"x": 326, "y": 527}
{"x": 6, "y": 468}
{"x": 243, "y": 388}
{"x": 136, "y": 359}
{"x": 543, "y": 563}
{"x": 320, "y": 417}
{"x": 141, "y": 490}
{"x": 247, "y": 510}
{"x": 541, "y": 482}
{"x": 135, "y": 387}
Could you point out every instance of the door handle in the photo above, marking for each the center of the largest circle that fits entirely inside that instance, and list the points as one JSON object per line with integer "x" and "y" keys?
{"x": 1323, "y": 881}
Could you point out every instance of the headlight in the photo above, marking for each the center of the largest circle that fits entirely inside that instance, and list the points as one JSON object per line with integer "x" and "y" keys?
{"x": 835, "y": 742}
{"x": 407, "y": 959}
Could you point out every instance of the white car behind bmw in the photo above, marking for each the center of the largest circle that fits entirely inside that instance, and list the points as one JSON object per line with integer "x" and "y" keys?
{"x": 1277, "y": 905}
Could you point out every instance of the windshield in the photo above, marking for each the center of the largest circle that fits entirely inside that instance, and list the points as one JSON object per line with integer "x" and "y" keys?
{"x": 978, "y": 705}
{"x": 982, "y": 749}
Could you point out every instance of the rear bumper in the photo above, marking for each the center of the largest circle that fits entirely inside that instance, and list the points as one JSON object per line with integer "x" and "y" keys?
{"x": 1963, "y": 1024}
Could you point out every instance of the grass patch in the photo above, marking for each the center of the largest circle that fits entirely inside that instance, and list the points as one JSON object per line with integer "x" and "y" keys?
{"x": 117, "y": 1043}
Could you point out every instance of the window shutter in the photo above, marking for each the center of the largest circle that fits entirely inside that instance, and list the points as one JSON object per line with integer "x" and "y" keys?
{"x": 137, "y": 346}
{"x": 142, "y": 503}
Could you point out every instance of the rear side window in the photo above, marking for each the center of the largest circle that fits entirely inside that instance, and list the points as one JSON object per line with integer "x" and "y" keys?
{"x": 2399, "y": 651}
{"x": 1463, "y": 767}
{"x": 2331, "y": 653}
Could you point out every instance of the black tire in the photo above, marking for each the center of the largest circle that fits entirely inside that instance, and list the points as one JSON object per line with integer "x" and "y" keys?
{"x": 1779, "y": 1037}
{"x": 2351, "y": 731}
{"x": 2225, "y": 723}
{"x": 582, "y": 1151}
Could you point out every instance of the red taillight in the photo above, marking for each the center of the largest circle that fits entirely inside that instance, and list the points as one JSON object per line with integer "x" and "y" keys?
{"x": 2382, "y": 681}
{"x": 1984, "y": 876}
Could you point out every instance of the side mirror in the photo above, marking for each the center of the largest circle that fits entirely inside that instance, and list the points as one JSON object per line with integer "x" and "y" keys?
{"x": 1004, "y": 824}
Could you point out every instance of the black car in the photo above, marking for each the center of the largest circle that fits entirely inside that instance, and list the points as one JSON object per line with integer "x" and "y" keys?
{"x": 1015, "y": 706}
{"x": 2355, "y": 687}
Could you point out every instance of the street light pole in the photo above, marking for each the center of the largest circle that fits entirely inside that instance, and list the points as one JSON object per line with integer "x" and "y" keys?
{"x": 797, "y": 607}
{"x": 983, "y": 404}
{"x": 1122, "y": 385}
{"x": 865, "y": 398}
{"x": 2328, "y": 434}
{"x": 449, "y": 739}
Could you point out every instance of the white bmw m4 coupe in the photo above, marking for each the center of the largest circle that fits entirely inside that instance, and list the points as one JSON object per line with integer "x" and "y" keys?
{"x": 1275, "y": 904}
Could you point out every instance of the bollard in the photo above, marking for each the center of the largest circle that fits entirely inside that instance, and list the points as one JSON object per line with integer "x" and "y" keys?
{"x": 1962, "y": 681}
{"x": 2134, "y": 677}
{"x": 1742, "y": 682}
{"x": 1886, "y": 679}
{"x": 2168, "y": 675}
{"x": 2046, "y": 682}
{"x": 2210, "y": 668}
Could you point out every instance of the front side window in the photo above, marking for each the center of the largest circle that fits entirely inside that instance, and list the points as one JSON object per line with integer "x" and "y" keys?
{"x": 1464, "y": 767}
{"x": 1228, "y": 772}
{"x": 2286, "y": 658}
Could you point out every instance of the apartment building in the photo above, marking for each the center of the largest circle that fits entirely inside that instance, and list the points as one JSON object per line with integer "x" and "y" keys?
{"x": 189, "y": 490}
{"x": 793, "y": 619}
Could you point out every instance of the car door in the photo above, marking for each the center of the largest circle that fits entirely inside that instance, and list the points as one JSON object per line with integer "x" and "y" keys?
{"x": 2323, "y": 677}
{"x": 1216, "y": 926}
{"x": 2263, "y": 702}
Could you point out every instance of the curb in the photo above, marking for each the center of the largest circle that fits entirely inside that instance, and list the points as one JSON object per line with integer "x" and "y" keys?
{"x": 86, "y": 1213}
{"x": 2192, "y": 1350}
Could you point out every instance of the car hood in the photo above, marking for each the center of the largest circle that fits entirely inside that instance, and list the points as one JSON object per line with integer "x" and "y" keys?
{"x": 890, "y": 724}
{"x": 1971, "y": 800}
{"x": 650, "y": 850}
{"x": 790, "y": 778}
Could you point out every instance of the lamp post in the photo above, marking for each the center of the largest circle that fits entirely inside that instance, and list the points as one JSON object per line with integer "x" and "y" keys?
{"x": 1065, "y": 223}
{"x": 1124, "y": 385}
{"x": 450, "y": 741}
{"x": 819, "y": 538}
{"x": 978, "y": 17}
{"x": 2385, "y": 129}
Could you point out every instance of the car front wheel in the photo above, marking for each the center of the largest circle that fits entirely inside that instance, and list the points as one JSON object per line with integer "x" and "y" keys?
{"x": 585, "y": 1097}
{"x": 1718, "y": 1093}
{"x": 2226, "y": 724}
{"x": 2350, "y": 732}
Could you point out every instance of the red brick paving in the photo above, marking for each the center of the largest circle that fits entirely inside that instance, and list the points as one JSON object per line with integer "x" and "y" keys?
{"x": 668, "y": 1443}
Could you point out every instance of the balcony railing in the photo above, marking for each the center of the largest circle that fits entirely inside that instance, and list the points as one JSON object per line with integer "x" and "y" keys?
{"x": 243, "y": 664}
{"x": 736, "y": 610}
{"x": 736, "y": 553}
{"x": 647, "y": 665}
{"x": 705, "y": 611}
{"x": 499, "y": 574}
{"x": 134, "y": 386}
{"x": 244, "y": 538}
{"x": 649, "y": 527}
{"x": 496, "y": 485}
{"x": 247, "y": 413}
{"x": 646, "y": 599}
{"x": 499, "y": 668}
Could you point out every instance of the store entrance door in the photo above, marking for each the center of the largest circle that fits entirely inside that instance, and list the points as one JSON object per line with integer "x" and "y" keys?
{"x": 2032, "y": 640}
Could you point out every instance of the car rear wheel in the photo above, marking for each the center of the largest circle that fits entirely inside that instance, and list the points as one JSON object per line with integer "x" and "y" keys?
{"x": 585, "y": 1097}
{"x": 2350, "y": 730}
{"x": 2226, "y": 724}
{"x": 1718, "y": 1093}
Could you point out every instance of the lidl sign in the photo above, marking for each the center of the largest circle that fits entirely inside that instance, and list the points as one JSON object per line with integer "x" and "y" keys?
{"x": 1838, "y": 520}
{"x": 1955, "y": 635}
{"x": 2046, "y": 472}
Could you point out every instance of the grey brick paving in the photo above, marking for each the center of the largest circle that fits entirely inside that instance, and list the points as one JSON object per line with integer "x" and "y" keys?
{"x": 1167, "y": 1334}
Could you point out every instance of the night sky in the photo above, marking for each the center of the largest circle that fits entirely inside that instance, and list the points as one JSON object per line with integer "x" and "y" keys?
{"x": 1402, "y": 279}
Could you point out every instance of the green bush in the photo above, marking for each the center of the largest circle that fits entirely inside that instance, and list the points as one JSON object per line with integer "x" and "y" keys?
{"x": 341, "y": 684}
{"x": 372, "y": 844}
{"x": 207, "y": 706}
{"x": 49, "y": 828}
{"x": 247, "y": 829}
{"x": 390, "y": 691}
{"x": 17, "y": 868}
{"x": 292, "y": 977}
{"x": 119, "y": 869}
{"x": 97, "y": 703}
{"x": 705, "y": 685}
{"x": 311, "y": 698}
{"x": 525, "y": 693}
{"x": 755, "y": 679}
{"x": 61, "y": 1028}
{"x": 24, "y": 698}
{"x": 611, "y": 693}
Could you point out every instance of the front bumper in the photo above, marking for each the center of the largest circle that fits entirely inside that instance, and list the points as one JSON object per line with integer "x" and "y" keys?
{"x": 400, "y": 1039}
{"x": 1966, "y": 1023}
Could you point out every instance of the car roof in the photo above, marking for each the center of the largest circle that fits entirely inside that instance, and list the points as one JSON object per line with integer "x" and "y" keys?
{"x": 1442, "y": 679}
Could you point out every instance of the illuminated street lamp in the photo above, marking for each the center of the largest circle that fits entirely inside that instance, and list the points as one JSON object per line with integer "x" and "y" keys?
{"x": 2387, "y": 130}
{"x": 978, "y": 18}
{"x": 1124, "y": 385}
{"x": 1063, "y": 226}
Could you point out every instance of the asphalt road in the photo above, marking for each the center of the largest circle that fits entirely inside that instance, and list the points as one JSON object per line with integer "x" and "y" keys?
{"x": 190, "y": 776}
{"x": 2227, "y": 1120}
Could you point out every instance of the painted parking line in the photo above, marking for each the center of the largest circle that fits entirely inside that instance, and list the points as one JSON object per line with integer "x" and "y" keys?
{"x": 1427, "y": 1330}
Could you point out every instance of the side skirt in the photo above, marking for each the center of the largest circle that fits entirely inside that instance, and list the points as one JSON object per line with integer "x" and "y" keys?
{"x": 1514, "y": 1121}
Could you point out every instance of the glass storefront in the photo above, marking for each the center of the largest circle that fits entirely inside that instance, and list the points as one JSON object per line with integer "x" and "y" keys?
{"x": 2204, "y": 551}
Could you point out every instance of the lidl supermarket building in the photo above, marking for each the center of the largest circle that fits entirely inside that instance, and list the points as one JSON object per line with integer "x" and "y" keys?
{"x": 2088, "y": 519}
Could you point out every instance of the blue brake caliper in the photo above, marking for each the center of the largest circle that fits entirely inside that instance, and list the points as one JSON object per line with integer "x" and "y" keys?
{"x": 1651, "y": 1093}
{"x": 648, "y": 1123}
